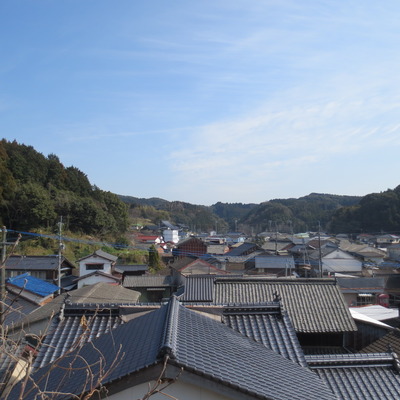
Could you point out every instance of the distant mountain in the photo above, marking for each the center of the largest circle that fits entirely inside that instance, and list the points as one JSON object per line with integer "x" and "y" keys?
{"x": 232, "y": 213}
{"x": 374, "y": 213}
{"x": 298, "y": 215}
{"x": 35, "y": 191}
{"x": 196, "y": 217}
{"x": 302, "y": 214}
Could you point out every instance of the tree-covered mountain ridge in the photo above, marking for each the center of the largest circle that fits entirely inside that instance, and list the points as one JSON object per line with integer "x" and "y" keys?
{"x": 311, "y": 212}
{"x": 36, "y": 190}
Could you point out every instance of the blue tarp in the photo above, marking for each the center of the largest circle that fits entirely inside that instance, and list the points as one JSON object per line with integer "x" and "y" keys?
{"x": 32, "y": 284}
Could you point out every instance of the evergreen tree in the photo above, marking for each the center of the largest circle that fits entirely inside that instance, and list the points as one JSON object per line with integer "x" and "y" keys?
{"x": 154, "y": 259}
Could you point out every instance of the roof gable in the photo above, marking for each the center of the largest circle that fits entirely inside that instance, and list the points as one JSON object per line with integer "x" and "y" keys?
{"x": 101, "y": 254}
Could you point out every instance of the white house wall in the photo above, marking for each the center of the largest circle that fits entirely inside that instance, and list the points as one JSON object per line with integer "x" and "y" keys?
{"x": 179, "y": 390}
{"x": 171, "y": 236}
{"x": 94, "y": 260}
{"x": 93, "y": 279}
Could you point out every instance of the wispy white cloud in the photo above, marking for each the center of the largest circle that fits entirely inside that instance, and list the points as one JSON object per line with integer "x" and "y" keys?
{"x": 286, "y": 135}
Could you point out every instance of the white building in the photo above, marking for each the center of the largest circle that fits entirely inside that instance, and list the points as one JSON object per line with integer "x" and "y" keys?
{"x": 100, "y": 262}
{"x": 171, "y": 235}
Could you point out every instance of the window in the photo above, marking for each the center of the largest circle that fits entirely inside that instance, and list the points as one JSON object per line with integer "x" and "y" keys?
{"x": 94, "y": 267}
{"x": 365, "y": 298}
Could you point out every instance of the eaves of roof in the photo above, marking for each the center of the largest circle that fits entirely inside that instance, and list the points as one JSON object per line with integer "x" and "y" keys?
{"x": 36, "y": 263}
{"x": 98, "y": 273}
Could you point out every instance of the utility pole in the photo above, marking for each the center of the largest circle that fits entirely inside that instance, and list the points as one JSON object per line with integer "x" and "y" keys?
{"x": 3, "y": 292}
{"x": 319, "y": 250}
{"x": 3, "y": 274}
{"x": 60, "y": 248}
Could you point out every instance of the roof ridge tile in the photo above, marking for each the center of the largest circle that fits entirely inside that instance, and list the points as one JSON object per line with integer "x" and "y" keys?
{"x": 169, "y": 339}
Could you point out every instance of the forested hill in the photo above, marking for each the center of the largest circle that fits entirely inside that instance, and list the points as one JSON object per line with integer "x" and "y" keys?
{"x": 36, "y": 190}
{"x": 375, "y": 213}
{"x": 285, "y": 215}
{"x": 308, "y": 213}
{"x": 195, "y": 217}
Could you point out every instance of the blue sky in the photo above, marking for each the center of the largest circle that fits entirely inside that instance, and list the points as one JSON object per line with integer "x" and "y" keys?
{"x": 206, "y": 101}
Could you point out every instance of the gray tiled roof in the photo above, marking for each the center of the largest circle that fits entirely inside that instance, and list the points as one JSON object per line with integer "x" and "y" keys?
{"x": 27, "y": 263}
{"x": 101, "y": 254}
{"x": 390, "y": 340}
{"x": 242, "y": 249}
{"x": 194, "y": 342}
{"x": 147, "y": 281}
{"x": 361, "y": 283}
{"x": 274, "y": 262}
{"x": 313, "y": 305}
{"x": 199, "y": 288}
{"x": 76, "y": 326}
{"x": 269, "y": 325}
{"x": 359, "y": 376}
{"x": 17, "y": 308}
{"x": 131, "y": 268}
{"x": 10, "y": 352}
{"x": 100, "y": 293}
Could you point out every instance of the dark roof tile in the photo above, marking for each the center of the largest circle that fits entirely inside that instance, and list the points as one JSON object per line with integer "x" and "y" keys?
{"x": 269, "y": 325}
{"x": 196, "y": 343}
{"x": 313, "y": 305}
{"x": 359, "y": 376}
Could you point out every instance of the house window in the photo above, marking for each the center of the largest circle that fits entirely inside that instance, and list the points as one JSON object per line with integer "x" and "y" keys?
{"x": 94, "y": 267}
{"x": 365, "y": 298}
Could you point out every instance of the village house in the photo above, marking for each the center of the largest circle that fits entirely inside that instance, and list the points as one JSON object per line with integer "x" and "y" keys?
{"x": 36, "y": 321}
{"x": 212, "y": 361}
{"x": 386, "y": 240}
{"x": 316, "y": 307}
{"x": 42, "y": 267}
{"x": 97, "y": 267}
{"x": 271, "y": 265}
{"x": 334, "y": 260}
{"x": 194, "y": 266}
{"x": 32, "y": 289}
{"x": 360, "y": 291}
{"x": 190, "y": 247}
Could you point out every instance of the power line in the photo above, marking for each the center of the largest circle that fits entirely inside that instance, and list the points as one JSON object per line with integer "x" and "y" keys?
{"x": 82, "y": 241}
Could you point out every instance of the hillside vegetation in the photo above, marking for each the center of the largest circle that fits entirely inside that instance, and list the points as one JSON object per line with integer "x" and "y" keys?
{"x": 375, "y": 213}
{"x": 308, "y": 213}
{"x": 36, "y": 190}
{"x": 194, "y": 217}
